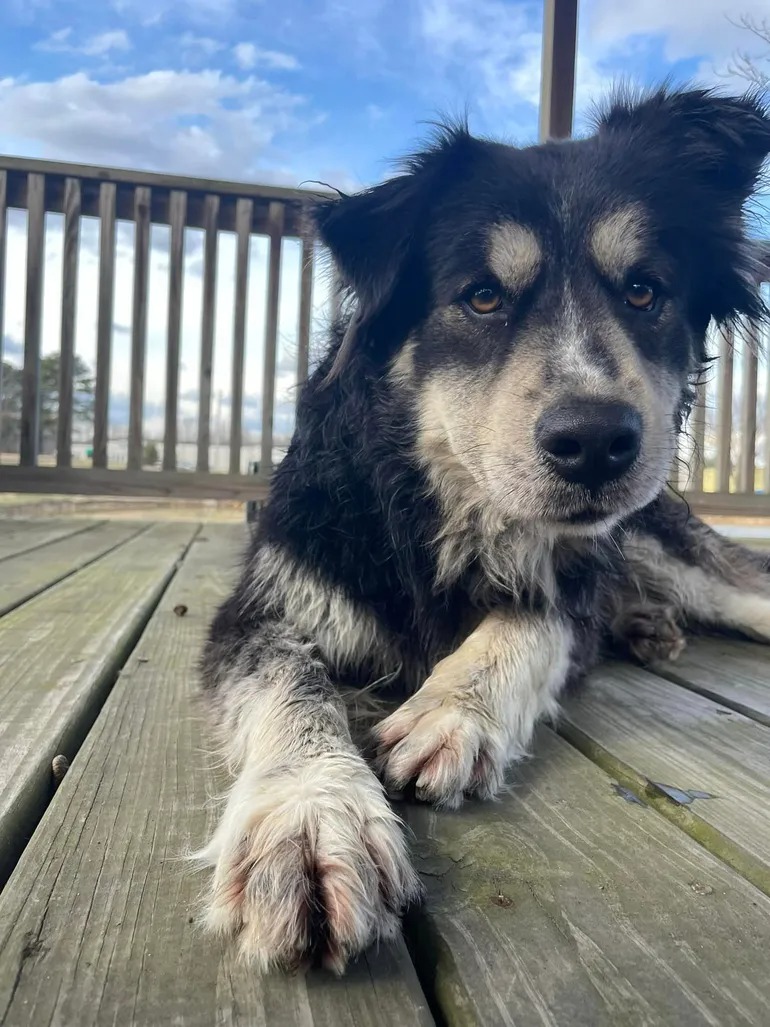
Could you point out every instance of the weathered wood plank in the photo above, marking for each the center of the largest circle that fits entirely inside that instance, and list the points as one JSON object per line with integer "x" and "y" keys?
{"x": 102, "y": 895}
{"x": 565, "y": 905}
{"x": 69, "y": 293}
{"x": 702, "y": 764}
{"x": 33, "y": 322}
{"x": 29, "y": 574}
{"x": 211, "y": 215}
{"x": 244, "y": 215}
{"x": 271, "y": 337}
{"x": 17, "y": 537}
{"x": 736, "y": 674}
{"x": 59, "y": 655}
{"x": 142, "y": 209}
{"x": 3, "y": 232}
{"x": 178, "y": 211}
{"x": 104, "y": 318}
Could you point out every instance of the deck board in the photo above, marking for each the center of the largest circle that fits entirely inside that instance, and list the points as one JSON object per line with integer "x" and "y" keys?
{"x": 643, "y": 727}
{"x": 564, "y": 904}
{"x": 736, "y": 674}
{"x": 59, "y": 654}
{"x": 96, "y": 923}
{"x": 30, "y": 573}
{"x": 18, "y": 537}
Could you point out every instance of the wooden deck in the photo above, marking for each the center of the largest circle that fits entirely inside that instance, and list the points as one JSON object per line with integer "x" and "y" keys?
{"x": 623, "y": 880}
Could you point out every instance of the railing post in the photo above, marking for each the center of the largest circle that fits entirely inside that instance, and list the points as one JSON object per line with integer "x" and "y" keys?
{"x": 724, "y": 429}
{"x": 557, "y": 74}
{"x": 244, "y": 214}
{"x": 275, "y": 231}
{"x": 746, "y": 464}
{"x": 107, "y": 206}
{"x": 3, "y": 205}
{"x": 142, "y": 226}
{"x": 33, "y": 322}
{"x": 211, "y": 224}
{"x": 72, "y": 202}
{"x": 177, "y": 213}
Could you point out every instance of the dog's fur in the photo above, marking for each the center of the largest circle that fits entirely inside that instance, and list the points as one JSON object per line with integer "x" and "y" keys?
{"x": 415, "y": 534}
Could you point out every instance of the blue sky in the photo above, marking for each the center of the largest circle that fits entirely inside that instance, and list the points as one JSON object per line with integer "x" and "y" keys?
{"x": 288, "y": 91}
{"x": 301, "y": 89}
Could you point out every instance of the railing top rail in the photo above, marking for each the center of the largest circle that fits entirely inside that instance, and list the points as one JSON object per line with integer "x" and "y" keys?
{"x": 188, "y": 183}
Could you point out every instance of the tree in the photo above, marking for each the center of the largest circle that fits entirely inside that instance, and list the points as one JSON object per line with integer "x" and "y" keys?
{"x": 10, "y": 401}
{"x": 150, "y": 455}
{"x": 753, "y": 68}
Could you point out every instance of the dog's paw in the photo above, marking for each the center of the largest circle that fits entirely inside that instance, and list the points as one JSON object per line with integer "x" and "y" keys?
{"x": 310, "y": 865}
{"x": 653, "y": 635}
{"x": 448, "y": 750}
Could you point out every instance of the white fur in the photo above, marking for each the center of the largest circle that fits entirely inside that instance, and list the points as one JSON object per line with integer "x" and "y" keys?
{"x": 306, "y": 827}
{"x": 478, "y": 709}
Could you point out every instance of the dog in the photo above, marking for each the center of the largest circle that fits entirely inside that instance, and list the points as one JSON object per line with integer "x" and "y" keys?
{"x": 473, "y": 507}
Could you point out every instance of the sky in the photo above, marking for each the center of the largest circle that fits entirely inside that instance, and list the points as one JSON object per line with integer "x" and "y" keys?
{"x": 288, "y": 92}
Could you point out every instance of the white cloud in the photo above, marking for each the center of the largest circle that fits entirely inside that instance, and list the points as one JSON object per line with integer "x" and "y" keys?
{"x": 204, "y": 123}
{"x": 205, "y": 46}
{"x": 94, "y": 46}
{"x": 249, "y": 56}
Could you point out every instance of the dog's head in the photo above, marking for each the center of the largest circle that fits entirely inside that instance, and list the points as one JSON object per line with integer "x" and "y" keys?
{"x": 544, "y": 309}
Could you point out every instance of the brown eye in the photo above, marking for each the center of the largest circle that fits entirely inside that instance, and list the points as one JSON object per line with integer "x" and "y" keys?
{"x": 641, "y": 296}
{"x": 486, "y": 299}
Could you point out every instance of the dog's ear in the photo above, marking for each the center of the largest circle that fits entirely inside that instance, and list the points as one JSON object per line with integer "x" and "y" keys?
{"x": 720, "y": 140}
{"x": 373, "y": 236}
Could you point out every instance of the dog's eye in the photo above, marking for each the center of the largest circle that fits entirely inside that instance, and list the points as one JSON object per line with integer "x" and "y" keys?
{"x": 641, "y": 295}
{"x": 485, "y": 299}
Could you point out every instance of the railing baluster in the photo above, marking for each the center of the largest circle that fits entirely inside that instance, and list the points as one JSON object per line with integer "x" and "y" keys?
{"x": 142, "y": 225}
{"x": 107, "y": 202}
{"x": 177, "y": 215}
{"x": 748, "y": 414}
{"x": 33, "y": 322}
{"x": 3, "y": 205}
{"x": 766, "y": 480}
{"x": 305, "y": 310}
{"x": 699, "y": 440}
{"x": 244, "y": 213}
{"x": 724, "y": 409}
{"x": 211, "y": 224}
{"x": 275, "y": 217}
{"x": 69, "y": 288}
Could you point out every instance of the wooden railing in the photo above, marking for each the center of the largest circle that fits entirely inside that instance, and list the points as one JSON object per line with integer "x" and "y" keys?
{"x": 77, "y": 191}
{"x": 730, "y": 426}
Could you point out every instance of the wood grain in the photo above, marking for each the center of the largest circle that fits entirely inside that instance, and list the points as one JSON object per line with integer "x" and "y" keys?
{"x": 724, "y": 426}
{"x": 736, "y": 674}
{"x": 59, "y": 655}
{"x": 142, "y": 210}
{"x": 662, "y": 737}
{"x": 69, "y": 293}
{"x": 97, "y": 924}
{"x": 29, "y": 574}
{"x": 565, "y": 904}
{"x": 17, "y": 537}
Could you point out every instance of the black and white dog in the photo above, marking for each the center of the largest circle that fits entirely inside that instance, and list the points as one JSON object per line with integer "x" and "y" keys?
{"x": 472, "y": 503}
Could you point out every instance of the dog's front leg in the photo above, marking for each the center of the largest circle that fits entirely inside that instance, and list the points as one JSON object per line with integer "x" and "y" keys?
{"x": 309, "y": 859}
{"x": 478, "y": 709}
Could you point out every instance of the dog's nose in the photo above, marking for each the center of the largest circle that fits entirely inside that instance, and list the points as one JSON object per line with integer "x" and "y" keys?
{"x": 590, "y": 443}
